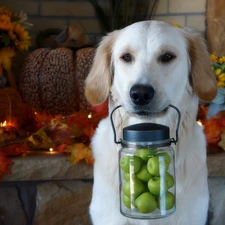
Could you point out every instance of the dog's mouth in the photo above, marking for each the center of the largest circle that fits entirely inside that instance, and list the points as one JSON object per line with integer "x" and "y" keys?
{"x": 143, "y": 112}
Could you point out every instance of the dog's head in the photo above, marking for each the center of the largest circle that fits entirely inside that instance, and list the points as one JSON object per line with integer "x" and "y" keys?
{"x": 149, "y": 65}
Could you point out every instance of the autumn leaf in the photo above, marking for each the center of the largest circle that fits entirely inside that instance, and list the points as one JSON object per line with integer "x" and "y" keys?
{"x": 4, "y": 163}
{"x": 39, "y": 140}
{"x": 222, "y": 141}
{"x": 101, "y": 110}
{"x": 212, "y": 130}
{"x": 15, "y": 149}
{"x": 57, "y": 131}
{"x": 61, "y": 148}
{"x": 79, "y": 151}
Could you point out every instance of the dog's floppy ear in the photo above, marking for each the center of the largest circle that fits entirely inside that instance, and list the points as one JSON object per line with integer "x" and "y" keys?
{"x": 98, "y": 82}
{"x": 202, "y": 77}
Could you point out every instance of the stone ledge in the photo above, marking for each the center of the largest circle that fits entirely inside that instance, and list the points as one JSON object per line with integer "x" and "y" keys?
{"x": 40, "y": 166}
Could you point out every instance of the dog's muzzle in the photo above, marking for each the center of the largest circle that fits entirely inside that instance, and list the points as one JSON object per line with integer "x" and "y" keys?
{"x": 144, "y": 101}
{"x": 141, "y": 94}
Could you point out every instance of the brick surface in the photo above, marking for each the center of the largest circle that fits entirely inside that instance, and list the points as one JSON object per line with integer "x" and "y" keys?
{"x": 46, "y": 23}
{"x": 29, "y": 7}
{"x": 87, "y": 25}
{"x": 172, "y": 19}
{"x": 66, "y": 9}
{"x": 197, "y": 22}
{"x": 162, "y": 7}
{"x": 184, "y": 6}
{"x": 45, "y": 14}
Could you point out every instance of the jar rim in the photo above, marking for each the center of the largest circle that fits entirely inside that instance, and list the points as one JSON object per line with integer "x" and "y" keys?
{"x": 146, "y": 144}
{"x": 146, "y": 132}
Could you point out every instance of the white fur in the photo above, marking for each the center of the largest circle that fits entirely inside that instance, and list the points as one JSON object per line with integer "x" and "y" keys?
{"x": 111, "y": 77}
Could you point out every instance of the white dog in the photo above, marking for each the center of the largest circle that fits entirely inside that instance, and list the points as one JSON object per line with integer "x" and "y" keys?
{"x": 162, "y": 65}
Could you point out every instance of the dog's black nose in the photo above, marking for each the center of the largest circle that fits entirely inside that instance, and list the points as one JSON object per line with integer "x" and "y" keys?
{"x": 141, "y": 94}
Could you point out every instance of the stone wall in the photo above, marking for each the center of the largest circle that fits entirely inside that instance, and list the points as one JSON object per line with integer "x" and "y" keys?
{"x": 44, "y": 189}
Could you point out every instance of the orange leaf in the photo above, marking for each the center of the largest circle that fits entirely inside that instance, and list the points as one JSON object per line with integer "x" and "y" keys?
{"x": 61, "y": 148}
{"x": 212, "y": 131}
{"x": 15, "y": 149}
{"x": 4, "y": 163}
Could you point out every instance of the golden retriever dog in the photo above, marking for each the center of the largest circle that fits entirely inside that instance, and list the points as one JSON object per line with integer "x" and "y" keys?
{"x": 162, "y": 65}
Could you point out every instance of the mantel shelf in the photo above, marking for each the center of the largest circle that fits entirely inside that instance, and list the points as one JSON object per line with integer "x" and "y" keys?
{"x": 41, "y": 165}
{"x": 38, "y": 166}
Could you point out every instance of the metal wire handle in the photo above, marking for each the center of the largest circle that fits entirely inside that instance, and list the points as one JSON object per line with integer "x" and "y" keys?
{"x": 178, "y": 124}
{"x": 172, "y": 139}
{"x": 113, "y": 127}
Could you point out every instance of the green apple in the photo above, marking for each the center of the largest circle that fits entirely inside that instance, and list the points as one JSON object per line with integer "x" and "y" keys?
{"x": 143, "y": 174}
{"x": 130, "y": 163}
{"x": 126, "y": 176}
{"x": 133, "y": 187}
{"x": 145, "y": 153}
{"x": 146, "y": 202}
{"x": 169, "y": 179}
{"x": 166, "y": 155}
{"x": 166, "y": 201}
{"x": 157, "y": 186}
{"x": 157, "y": 166}
{"x": 126, "y": 201}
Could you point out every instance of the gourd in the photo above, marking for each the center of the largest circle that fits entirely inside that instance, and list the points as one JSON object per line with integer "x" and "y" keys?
{"x": 52, "y": 80}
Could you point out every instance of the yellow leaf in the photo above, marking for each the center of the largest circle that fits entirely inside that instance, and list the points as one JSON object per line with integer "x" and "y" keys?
{"x": 79, "y": 151}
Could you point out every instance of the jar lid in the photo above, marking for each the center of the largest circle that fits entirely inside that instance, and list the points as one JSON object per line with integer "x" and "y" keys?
{"x": 146, "y": 132}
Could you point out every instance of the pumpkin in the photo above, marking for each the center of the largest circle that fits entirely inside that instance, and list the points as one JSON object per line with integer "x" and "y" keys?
{"x": 52, "y": 80}
{"x": 11, "y": 105}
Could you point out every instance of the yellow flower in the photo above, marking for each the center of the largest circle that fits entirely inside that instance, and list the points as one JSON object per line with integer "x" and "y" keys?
{"x": 21, "y": 38}
{"x": 221, "y": 77}
{"x": 176, "y": 25}
{"x": 5, "y": 22}
{"x": 5, "y": 11}
{"x": 220, "y": 84}
{"x": 214, "y": 58}
{"x": 221, "y": 60}
{"x": 12, "y": 31}
{"x": 218, "y": 71}
{"x": 6, "y": 55}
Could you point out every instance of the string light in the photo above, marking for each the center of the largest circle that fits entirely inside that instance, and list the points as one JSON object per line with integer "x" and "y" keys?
{"x": 89, "y": 115}
{"x": 199, "y": 123}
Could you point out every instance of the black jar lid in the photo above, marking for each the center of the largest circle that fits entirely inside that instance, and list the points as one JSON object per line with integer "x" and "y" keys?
{"x": 146, "y": 132}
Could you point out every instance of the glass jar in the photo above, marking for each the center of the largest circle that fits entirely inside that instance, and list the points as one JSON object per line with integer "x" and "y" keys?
{"x": 147, "y": 172}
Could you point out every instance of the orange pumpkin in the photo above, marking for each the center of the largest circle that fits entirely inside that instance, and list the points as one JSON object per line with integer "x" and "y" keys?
{"x": 11, "y": 105}
{"x": 52, "y": 80}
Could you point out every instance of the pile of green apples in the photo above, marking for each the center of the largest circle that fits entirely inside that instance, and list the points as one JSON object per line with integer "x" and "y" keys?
{"x": 147, "y": 180}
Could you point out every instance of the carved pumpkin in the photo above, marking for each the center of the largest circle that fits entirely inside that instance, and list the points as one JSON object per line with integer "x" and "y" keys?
{"x": 53, "y": 80}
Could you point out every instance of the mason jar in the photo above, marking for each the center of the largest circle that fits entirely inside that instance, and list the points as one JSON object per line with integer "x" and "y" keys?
{"x": 147, "y": 172}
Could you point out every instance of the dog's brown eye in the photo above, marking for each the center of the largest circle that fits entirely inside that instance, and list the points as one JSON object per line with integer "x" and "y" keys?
{"x": 166, "y": 57}
{"x": 127, "y": 57}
